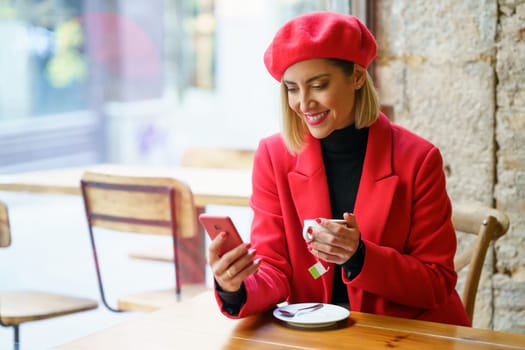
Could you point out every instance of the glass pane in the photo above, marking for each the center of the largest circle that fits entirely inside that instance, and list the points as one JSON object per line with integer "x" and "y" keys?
{"x": 42, "y": 60}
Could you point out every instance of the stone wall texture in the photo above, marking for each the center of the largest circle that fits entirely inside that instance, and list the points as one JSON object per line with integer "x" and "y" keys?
{"x": 454, "y": 72}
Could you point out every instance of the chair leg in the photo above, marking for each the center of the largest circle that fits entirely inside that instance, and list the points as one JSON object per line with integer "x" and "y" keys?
{"x": 16, "y": 330}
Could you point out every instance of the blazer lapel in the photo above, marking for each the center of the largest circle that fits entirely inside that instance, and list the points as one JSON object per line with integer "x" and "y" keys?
{"x": 311, "y": 197}
{"x": 308, "y": 184}
{"x": 378, "y": 183}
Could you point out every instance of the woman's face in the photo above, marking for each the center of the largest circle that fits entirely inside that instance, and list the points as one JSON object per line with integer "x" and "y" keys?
{"x": 322, "y": 95}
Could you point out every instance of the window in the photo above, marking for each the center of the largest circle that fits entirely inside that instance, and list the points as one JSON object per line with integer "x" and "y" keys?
{"x": 136, "y": 81}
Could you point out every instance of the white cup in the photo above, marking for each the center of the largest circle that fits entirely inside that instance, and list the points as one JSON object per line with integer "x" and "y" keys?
{"x": 311, "y": 223}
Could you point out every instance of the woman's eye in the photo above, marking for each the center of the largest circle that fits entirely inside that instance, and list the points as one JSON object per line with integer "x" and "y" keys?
{"x": 319, "y": 86}
{"x": 291, "y": 89}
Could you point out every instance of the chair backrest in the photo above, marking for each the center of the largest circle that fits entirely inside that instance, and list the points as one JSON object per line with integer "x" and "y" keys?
{"x": 488, "y": 224}
{"x": 217, "y": 157}
{"x": 147, "y": 205}
{"x": 139, "y": 204}
{"x": 5, "y": 230}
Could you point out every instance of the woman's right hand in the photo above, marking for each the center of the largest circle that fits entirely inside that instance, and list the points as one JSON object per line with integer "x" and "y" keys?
{"x": 230, "y": 269}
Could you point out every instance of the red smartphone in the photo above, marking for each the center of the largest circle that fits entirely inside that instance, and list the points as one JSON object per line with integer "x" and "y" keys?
{"x": 215, "y": 224}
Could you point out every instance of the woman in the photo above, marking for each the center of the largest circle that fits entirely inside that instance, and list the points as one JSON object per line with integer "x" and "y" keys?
{"x": 339, "y": 157}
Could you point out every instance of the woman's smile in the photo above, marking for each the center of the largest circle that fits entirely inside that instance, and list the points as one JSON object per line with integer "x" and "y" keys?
{"x": 315, "y": 119}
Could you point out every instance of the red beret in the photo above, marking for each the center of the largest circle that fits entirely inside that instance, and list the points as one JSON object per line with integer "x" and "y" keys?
{"x": 320, "y": 34}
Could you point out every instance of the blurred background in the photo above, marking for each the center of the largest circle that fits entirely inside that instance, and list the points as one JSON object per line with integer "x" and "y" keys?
{"x": 138, "y": 82}
{"x": 135, "y": 81}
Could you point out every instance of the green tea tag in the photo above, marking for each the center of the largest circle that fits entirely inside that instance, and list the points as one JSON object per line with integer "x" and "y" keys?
{"x": 317, "y": 270}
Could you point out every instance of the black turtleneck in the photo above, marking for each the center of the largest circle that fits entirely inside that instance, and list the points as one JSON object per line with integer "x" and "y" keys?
{"x": 343, "y": 155}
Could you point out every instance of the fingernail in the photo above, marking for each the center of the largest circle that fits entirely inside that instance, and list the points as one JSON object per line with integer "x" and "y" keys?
{"x": 309, "y": 230}
{"x": 318, "y": 220}
{"x": 223, "y": 234}
{"x": 251, "y": 251}
{"x": 257, "y": 261}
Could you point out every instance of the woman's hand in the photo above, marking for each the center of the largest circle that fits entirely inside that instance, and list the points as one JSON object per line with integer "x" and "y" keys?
{"x": 230, "y": 269}
{"x": 339, "y": 245}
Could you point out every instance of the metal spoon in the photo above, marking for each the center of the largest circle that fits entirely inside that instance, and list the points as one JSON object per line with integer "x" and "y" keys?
{"x": 310, "y": 308}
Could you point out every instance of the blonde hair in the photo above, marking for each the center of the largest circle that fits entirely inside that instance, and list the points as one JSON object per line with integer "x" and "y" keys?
{"x": 366, "y": 111}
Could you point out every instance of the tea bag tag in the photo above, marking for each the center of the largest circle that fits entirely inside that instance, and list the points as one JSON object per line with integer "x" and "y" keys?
{"x": 317, "y": 270}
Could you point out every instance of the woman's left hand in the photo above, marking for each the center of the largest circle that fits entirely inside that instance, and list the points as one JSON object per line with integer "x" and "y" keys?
{"x": 339, "y": 245}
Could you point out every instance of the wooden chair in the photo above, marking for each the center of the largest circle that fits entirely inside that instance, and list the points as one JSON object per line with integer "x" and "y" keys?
{"x": 488, "y": 224}
{"x": 146, "y": 205}
{"x": 17, "y": 307}
{"x": 200, "y": 157}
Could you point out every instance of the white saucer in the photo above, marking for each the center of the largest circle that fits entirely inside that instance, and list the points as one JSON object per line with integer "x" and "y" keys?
{"x": 326, "y": 316}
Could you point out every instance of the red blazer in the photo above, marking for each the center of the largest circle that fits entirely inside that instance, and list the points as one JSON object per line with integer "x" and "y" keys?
{"x": 402, "y": 210}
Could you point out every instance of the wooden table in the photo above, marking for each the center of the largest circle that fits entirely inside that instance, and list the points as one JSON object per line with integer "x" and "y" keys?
{"x": 210, "y": 186}
{"x": 197, "y": 324}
